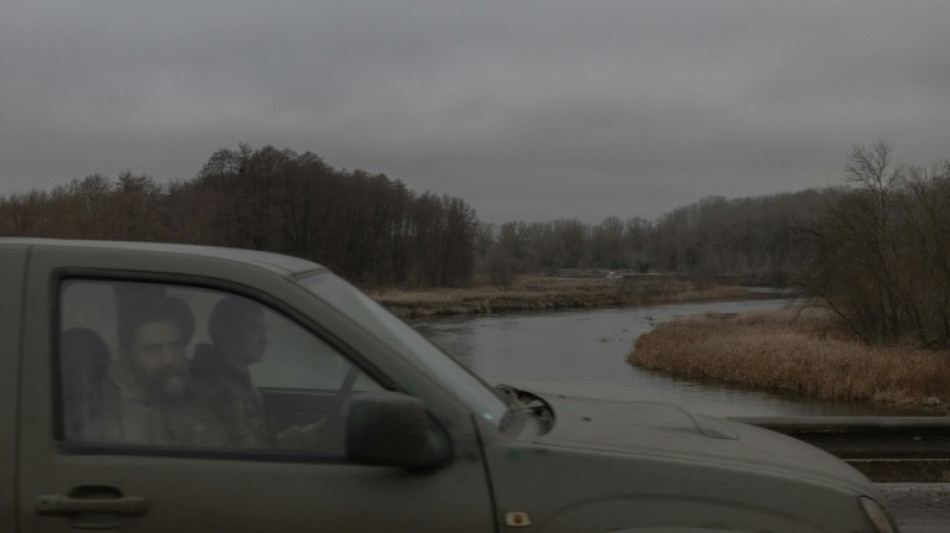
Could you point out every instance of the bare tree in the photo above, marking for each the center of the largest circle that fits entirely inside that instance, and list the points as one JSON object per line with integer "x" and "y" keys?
{"x": 879, "y": 255}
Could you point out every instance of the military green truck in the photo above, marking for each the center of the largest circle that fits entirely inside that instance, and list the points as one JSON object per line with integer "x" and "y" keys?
{"x": 321, "y": 411}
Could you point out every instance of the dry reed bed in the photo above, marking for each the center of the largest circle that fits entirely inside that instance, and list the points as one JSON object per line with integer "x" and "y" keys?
{"x": 799, "y": 350}
{"x": 531, "y": 293}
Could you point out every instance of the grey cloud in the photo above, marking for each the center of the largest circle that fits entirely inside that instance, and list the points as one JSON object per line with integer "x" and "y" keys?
{"x": 528, "y": 110}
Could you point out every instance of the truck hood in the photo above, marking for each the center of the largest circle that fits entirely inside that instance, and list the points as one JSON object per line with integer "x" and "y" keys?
{"x": 667, "y": 430}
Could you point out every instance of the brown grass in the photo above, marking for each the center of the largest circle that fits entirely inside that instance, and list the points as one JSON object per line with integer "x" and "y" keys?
{"x": 532, "y": 293}
{"x": 800, "y": 350}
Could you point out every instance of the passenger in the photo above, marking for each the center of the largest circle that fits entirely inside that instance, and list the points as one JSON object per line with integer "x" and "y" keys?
{"x": 239, "y": 334}
{"x": 148, "y": 395}
{"x": 84, "y": 358}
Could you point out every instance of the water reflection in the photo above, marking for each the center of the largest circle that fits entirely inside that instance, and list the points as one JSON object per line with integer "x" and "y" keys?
{"x": 584, "y": 353}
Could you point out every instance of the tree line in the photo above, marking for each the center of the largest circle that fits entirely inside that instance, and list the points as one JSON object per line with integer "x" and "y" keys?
{"x": 875, "y": 250}
{"x": 375, "y": 231}
{"x": 371, "y": 228}
{"x": 744, "y": 240}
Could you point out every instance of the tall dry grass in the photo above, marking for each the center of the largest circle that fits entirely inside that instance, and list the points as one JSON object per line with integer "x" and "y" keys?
{"x": 530, "y": 293}
{"x": 800, "y": 350}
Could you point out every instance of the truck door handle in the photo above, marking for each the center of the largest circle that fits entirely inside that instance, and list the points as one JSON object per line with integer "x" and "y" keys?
{"x": 92, "y": 506}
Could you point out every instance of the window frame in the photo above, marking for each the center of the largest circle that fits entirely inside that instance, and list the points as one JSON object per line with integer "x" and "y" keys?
{"x": 73, "y": 447}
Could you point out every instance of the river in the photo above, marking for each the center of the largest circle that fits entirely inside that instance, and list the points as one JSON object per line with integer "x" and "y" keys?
{"x": 583, "y": 353}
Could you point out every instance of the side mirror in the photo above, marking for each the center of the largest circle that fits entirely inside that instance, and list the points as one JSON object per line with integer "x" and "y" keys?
{"x": 392, "y": 429}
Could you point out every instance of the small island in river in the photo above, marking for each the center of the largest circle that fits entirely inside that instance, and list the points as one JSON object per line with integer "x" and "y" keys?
{"x": 540, "y": 293}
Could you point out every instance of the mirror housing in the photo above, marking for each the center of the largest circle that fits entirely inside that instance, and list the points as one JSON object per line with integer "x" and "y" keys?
{"x": 392, "y": 429}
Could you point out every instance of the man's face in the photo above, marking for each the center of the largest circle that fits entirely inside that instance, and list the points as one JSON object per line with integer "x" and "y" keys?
{"x": 158, "y": 354}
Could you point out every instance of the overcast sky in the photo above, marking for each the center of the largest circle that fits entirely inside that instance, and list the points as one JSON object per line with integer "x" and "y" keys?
{"x": 527, "y": 110}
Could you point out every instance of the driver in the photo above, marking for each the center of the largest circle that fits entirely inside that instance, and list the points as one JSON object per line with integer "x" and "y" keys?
{"x": 239, "y": 336}
{"x": 238, "y": 332}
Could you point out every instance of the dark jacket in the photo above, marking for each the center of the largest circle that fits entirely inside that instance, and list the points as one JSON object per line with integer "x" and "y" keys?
{"x": 232, "y": 399}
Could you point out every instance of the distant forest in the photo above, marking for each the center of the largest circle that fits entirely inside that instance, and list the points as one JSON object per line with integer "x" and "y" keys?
{"x": 876, "y": 249}
{"x": 369, "y": 228}
{"x": 746, "y": 240}
{"x": 374, "y": 231}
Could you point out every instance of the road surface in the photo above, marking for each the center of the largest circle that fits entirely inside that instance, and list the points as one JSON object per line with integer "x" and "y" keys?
{"x": 918, "y": 507}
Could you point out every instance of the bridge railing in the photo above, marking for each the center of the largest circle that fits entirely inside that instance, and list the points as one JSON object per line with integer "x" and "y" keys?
{"x": 884, "y": 448}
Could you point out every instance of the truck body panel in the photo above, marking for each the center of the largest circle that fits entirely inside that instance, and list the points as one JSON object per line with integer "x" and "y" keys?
{"x": 12, "y": 269}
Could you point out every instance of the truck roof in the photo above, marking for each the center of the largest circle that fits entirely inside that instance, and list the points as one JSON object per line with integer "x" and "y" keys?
{"x": 282, "y": 264}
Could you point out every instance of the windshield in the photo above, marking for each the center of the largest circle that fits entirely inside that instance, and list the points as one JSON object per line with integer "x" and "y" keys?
{"x": 467, "y": 386}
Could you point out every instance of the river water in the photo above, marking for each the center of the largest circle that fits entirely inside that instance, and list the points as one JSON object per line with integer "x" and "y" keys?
{"x": 583, "y": 353}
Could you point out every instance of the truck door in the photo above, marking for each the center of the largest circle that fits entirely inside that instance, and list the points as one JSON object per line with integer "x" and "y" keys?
{"x": 157, "y": 406}
{"x": 12, "y": 267}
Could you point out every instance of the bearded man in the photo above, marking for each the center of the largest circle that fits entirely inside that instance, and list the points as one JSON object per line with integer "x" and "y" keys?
{"x": 149, "y": 399}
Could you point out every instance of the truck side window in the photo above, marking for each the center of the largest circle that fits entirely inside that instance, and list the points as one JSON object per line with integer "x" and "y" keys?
{"x": 177, "y": 366}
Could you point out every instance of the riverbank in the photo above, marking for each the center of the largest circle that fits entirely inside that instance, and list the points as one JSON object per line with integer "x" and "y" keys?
{"x": 797, "y": 350}
{"x": 539, "y": 293}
